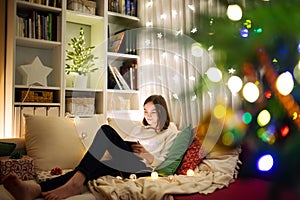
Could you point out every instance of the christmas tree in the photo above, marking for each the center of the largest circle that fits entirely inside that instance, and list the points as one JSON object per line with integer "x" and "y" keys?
{"x": 262, "y": 48}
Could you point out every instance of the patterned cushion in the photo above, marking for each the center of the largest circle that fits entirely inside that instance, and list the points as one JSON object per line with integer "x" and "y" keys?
{"x": 191, "y": 158}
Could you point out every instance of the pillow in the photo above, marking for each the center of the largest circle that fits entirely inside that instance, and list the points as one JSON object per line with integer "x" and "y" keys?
{"x": 177, "y": 151}
{"x": 191, "y": 157}
{"x": 123, "y": 126}
{"x": 52, "y": 142}
{"x": 6, "y": 148}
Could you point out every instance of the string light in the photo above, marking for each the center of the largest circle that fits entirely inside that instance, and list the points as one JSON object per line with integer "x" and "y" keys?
{"x": 190, "y": 172}
{"x": 132, "y": 177}
{"x": 154, "y": 175}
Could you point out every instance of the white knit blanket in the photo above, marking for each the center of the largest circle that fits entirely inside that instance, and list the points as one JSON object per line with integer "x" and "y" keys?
{"x": 217, "y": 171}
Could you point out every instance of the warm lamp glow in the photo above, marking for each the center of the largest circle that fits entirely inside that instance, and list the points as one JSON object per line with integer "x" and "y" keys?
{"x": 234, "y": 12}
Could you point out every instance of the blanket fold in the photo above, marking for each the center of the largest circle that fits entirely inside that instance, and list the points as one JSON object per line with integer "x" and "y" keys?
{"x": 217, "y": 171}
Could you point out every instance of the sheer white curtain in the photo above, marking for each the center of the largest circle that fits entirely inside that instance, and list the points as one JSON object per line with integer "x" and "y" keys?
{"x": 167, "y": 65}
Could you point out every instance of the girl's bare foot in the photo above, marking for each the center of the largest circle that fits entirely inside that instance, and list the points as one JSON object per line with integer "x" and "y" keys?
{"x": 21, "y": 190}
{"x": 73, "y": 187}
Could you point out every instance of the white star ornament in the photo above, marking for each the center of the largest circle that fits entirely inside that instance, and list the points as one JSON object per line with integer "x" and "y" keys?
{"x": 35, "y": 73}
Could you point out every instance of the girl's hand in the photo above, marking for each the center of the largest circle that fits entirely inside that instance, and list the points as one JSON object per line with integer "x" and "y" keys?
{"x": 141, "y": 152}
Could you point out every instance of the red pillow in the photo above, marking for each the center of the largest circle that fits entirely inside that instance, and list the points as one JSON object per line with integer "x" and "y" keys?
{"x": 191, "y": 157}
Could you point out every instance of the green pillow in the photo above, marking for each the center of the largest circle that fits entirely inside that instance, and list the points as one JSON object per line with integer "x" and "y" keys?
{"x": 6, "y": 148}
{"x": 177, "y": 151}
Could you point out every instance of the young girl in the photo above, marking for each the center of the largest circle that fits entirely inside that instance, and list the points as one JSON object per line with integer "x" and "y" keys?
{"x": 149, "y": 147}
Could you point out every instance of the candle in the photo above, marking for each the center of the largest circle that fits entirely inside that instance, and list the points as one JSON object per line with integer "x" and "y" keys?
{"x": 154, "y": 175}
{"x": 190, "y": 172}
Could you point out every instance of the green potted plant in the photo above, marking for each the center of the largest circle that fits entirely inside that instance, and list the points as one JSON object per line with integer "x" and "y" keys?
{"x": 79, "y": 61}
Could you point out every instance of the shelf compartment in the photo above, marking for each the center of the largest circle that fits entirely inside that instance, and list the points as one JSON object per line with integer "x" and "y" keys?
{"x": 124, "y": 20}
{"x": 122, "y": 100}
{"x": 37, "y": 43}
{"x": 35, "y": 6}
{"x": 36, "y": 96}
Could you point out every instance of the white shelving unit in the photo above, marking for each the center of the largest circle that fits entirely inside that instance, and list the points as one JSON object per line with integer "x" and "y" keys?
{"x": 22, "y": 48}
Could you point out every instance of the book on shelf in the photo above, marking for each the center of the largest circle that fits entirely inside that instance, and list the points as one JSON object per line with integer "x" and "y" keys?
{"x": 118, "y": 79}
{"x": 113, "y": 81}
{"x": 129, "y": 72}
{"x": 124, "y": 84}
{"x": 126, "y": 7}
{"x": 52, "y": 3}
{"x": 38, "y": 25}
{"x": 115, "y": 42}
{"x": 123, "y": 41}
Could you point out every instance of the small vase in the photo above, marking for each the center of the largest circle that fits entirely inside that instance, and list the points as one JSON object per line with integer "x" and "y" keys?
{"x": 74, "y": 80}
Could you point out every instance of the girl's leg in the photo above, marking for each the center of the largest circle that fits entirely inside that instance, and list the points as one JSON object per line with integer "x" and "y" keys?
{"x": 90, "y": 167}
{"x": 21, "y": 190}
{"x": 122, "y": 157}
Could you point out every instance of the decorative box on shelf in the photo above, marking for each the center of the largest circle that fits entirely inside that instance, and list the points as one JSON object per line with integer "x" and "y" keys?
{"x": 40, "y": 96}
{"x": 80, "y": 106}
{"x": 84, "y": 6}
{"x": 23, "y": 167}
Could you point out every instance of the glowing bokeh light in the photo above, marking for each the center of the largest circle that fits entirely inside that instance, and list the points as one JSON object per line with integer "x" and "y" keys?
{"x": 258, "y": 30}
{"x": 263, "y": 118}
{"x": 247, "y": 23}
{"x": 197, "y": 49}
{"x": 285, "y": 83}
{"x": 235, "y": 84}
{"x": 296, "y": 73}
{"x": 284, "y": 131}
{"x": 244, "y": 32}
{"x": 154, "y": 175}
{"x": 219, "y": 111}
{"x": 247, "y": 118}
{"x": 265, "y": 162}
{"x": 250, "y": 92}
{"x": 228, "y": 138}
{"x": 234, "y": 12}
{"x": 214, "y": 74}
{"x": 190, "y": 172}
{"x": 268, "y": 94}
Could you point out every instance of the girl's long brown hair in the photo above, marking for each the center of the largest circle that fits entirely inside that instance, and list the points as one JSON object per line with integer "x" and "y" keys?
{"x": 161, "y": 109}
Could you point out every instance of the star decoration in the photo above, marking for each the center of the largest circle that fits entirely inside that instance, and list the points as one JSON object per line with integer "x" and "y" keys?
{"x": 147, "y": 42}
{"x": 179, "y": 32}
{"x": 194, "y": 30}
{"x": 159, "y": 35}
{"x": 231, "y": 71}
{"x": 35, "y": 73}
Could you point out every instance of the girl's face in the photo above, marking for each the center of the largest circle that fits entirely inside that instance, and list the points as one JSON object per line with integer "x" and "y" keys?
{"x": 150, "y": 114}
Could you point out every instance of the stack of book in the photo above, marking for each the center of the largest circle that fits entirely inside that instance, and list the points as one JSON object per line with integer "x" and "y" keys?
{"x": 126, "y": 7}
{"x": 38, "y": 25}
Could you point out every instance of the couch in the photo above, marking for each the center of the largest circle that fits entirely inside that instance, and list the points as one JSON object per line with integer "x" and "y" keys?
{"x": 57, "y": 142}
